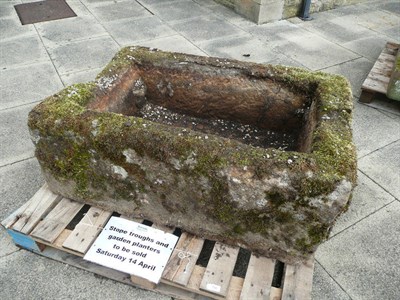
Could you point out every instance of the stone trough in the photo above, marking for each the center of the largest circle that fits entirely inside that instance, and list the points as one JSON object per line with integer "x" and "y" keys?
{"x": 253, "y": 155}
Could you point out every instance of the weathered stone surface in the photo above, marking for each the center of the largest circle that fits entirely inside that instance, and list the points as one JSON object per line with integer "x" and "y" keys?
{"x": 93, "y": 147}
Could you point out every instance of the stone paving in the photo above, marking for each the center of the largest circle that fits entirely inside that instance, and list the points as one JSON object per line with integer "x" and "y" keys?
{"x": 361, "y": 260}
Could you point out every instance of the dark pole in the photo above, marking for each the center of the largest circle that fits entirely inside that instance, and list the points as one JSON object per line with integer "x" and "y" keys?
{"x": 305, "y": 11}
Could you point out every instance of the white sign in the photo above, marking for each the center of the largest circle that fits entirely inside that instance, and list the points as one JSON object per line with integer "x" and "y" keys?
{"x": 132, "y": 248}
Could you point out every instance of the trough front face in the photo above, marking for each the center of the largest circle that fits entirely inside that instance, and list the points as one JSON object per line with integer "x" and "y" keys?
{"x": 253, "y": 155}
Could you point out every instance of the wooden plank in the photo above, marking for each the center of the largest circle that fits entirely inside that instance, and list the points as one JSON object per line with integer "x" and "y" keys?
{"x": 367, "y": 96}
{"x": 143, "y": 283}
{"x": 298, "y": 281}
{"x": 275, "y": 294}
{"x": 11, "y": 219}
{"x": 219, "y": 269}
{"x": 379, "y": 76}
{"x": 258, "y": 280}
{"x": 183, "y": 259}
{"x": 235, "y": 289}
{"x": 55, "y": 222}
{"x": 24, "y": 241}
{"x": 375, "y": 86}
{"x": 40, "y": 204}
{"x": 115, "y": 275}
{"x": 194, "y": 284}
{"x": 87, "y": 230}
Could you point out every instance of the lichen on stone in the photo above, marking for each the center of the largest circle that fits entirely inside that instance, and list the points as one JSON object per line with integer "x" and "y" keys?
{"x": 260, "y": 198}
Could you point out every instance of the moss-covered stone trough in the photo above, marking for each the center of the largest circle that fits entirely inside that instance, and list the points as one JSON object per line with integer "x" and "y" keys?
{"x": 95, "y": 145}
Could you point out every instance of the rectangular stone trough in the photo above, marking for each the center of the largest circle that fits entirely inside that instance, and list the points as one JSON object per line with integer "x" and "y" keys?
{"x": 253, "y": 155}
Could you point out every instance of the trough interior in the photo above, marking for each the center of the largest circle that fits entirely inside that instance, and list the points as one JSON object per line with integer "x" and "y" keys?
{"x": 221, "y": 101}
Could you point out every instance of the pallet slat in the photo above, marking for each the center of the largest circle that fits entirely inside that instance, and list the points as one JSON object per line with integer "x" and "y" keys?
{"x": 55, "y": 222}
{"x": 11, "y": 219}
{"x": 87, "y": 230}
{"x": 378, "y": 78}
{"x": 258, "y": 280}
{"x": 183, "y": 259}
{"x": 235, "y": 288}
{"x": 41, "y": 203}
{"x": 219, "y": 269}
{"x": 298, "y": 281}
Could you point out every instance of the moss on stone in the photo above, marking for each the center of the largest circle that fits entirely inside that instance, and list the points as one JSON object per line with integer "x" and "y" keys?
{"x": 74, "y": 138}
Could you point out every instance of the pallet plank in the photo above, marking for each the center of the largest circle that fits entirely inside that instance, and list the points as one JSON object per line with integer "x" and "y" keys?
{"x": 219, "y": 269}
{"x": 235, "y": 288}
{"x": 11, "y": 219}
{"x": 378, "y": 78}
{"x": 87, "y": 230}
{"x": 298, "y": 281}
{"x": 275, "y": 294}
{"x": 54, "y": 223}
{"x": 258, "y": 280}
{"x": 183, "y": 259}
{"x": 41, "y": 203}
{"x": 24, "y": 241}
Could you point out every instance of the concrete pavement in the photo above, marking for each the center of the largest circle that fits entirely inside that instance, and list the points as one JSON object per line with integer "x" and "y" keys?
{"x": 361, "y": 260}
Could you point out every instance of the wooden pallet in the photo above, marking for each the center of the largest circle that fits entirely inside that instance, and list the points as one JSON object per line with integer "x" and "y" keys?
{"x": 378, "y": 78}
{"x": 57, "y": 228}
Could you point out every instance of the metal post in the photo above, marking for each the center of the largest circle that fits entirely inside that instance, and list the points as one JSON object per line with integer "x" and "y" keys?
{"x": 305, "y": 11}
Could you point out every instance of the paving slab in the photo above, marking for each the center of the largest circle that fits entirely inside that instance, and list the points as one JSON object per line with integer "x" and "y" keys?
{"x": 178, "y": 11}
{"x": 350, "y": 10}
{"x": 325, "y": 287}
{"x": 11, "y": 28}
{"x": 7, "y": 10}
{"x": 361, "y": 260}
{"x": 174, "y": 43}
{"x": 372, "y": 129}
{"x": 18, "y": 183}
{"x": 206, "y": 28}
{"x": 364, "y": 259}
{"x": 307, "y": 48}
{"x": 284, "y": 60}
{"x": 71, "y": 29}
{"x": 378, "y": 19}
{"x": 392, "y": 32}
{"x": 79, "y": 77}
{"x": 108, "y": 11}
{"x": 368, "y": 197}
{"x": 15, "y": 143}
{"x": 385, "y": 105}
{"x": 355, "y": 71}
{"x": 130, "y": 31}
{"x": 369, "y": 47}
{"x": 29, "y": 276}
{"x": 22, "y": 50}
{"x": 244, "y": 47}
{"x": 83, "y": 55}
{"x": 39, "y": 81}
{"x": 338, "y": 32}
{"x": 275, "y": 32}
{"x": 391, "y": 6}
{"x": 383, "y": 167}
